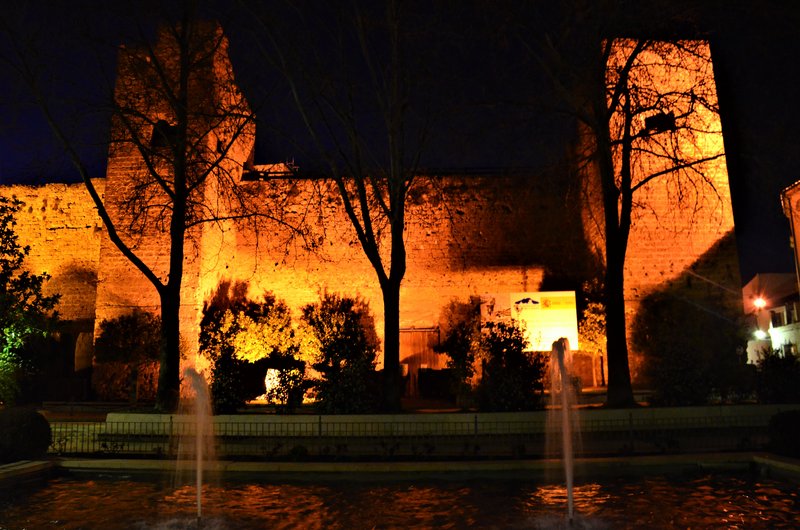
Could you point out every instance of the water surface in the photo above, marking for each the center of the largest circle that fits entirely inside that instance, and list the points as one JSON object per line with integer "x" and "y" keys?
{"x": 120, "y": 502}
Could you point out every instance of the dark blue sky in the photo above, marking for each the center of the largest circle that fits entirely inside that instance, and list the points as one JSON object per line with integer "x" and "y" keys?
{"x": 486, "y": 91}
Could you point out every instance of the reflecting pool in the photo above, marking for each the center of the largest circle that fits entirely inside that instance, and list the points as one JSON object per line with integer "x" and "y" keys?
{"x": 122, "y": 502}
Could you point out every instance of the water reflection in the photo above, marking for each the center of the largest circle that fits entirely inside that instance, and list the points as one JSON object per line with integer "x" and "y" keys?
{"x": 701, "y": 502}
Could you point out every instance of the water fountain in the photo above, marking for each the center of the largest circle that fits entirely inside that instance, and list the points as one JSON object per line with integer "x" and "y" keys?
{"x": 560, "y": 420}
{"x": 748, "y": 498}
{"x": 196, "y": 445}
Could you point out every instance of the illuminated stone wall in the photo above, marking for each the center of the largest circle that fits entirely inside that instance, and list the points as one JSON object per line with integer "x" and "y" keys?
{"x": 465, "y": 236}
{"x": 678, "y": 223}
{"x": 60, "y": 224}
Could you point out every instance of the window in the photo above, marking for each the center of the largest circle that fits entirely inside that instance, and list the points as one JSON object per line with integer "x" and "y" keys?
{"x": 164, "y": 135}
{"x": 778, "y": 318}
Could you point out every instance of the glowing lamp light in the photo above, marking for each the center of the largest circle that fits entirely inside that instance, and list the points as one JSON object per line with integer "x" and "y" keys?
{"x": 760, "y": 303}
{"x": 760, "y": 334}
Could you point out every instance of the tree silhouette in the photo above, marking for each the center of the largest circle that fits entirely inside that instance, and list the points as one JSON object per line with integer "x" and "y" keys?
{"x": 354, "y": 94}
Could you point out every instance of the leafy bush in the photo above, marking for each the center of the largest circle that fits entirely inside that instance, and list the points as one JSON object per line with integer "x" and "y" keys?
{"x": 270, "y": 336}
{"x": 778, "y": 378}
{"x": 118, "y": 381}
{"x": 345, "y": 357}
{"x": 217, "y": 331}
{"x": 25, "y": 311}
{"x": 127, "y": 354}
{"x": 240, "y": 335}
{"x": 24, "y": 435}
{"x": 592, "y": 322}
{"x": 9, "y": 387}
{"x": 784, "y": 431}
{"x": 689, "y": 353}
{"x": 290, "y": 384}
{"x": 462, "y": 337}
{"x": 512, "y": 378}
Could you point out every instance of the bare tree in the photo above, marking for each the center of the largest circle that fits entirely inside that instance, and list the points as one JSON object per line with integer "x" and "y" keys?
{"x": 353, "y": 93}
{"x": 648, "y": 117}
{"x": 180, "y": 133}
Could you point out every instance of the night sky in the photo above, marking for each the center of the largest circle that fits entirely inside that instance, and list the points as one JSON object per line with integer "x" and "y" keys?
{"x": 491, "y": 99}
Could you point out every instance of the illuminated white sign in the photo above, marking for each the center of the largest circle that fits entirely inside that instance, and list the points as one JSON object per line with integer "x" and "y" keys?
{"x": 545, "y": 317}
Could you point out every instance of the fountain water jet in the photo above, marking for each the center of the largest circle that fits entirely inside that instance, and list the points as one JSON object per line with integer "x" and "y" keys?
{"x": 563, "y": 400}
{"x": 198, "y": 407}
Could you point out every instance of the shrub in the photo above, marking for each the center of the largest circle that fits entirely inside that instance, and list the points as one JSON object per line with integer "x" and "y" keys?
{"x": 115, "y": 381}
{"x": 784, "y": 431}
{"x": 269, "y": 336}
{"x": 290, "y": 385}
{"x": 462, "y": 336}
{"x": 24, "y": 435}
{"x": 778, "y": 378}
{"x": 25, "y": 311}
{"x": 512, "y": 378}
{"x": 127, "y": 354}
{"x": 239, "y": 335}
{"x": 227, "y": 393}
{"x": 592, "y": 325}
{"x": 347, "y": 346}
{"x": 689, "y": 353}
{"x": 217, "y": 330}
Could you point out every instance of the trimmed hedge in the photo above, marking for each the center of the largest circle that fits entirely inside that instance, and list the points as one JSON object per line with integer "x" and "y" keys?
{"x": 24, "y": 435}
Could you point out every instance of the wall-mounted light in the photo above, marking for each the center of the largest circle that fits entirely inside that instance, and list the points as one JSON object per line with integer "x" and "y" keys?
{"x": 760, "y": 334}
{"x": 760, "y": 303}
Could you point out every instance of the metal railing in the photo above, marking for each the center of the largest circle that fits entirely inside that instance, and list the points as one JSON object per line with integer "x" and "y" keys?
{"x": 474, "y": 436}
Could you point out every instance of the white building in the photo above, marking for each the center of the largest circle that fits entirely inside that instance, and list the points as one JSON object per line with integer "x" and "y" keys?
{"x": 771, "y": 302}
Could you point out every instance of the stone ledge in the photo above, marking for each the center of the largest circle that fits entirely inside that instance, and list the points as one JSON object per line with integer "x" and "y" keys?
{"x": 24, "y": 469}
{"x": 464, "y": 423}
{"x": 584, "y": 467}
{"x": 784, "y": 468}
{"x": 779, "y": 466}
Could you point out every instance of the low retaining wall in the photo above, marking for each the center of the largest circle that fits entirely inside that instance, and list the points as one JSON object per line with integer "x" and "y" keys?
{"x": 15, "y": 473}
{"x": 463, "y": 423}
{"x": 426, "y": 436}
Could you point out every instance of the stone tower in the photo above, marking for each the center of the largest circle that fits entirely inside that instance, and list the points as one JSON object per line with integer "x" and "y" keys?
{"x": 144, "y": 150}
{"x": 681, "y": 238}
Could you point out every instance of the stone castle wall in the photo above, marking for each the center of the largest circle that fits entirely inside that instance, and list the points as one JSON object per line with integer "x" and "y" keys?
{"x": 680, "y": 216}
{"x": 686, "y": 218}
{"x": 60, "y": 224}
{"x": 466, "y": 235}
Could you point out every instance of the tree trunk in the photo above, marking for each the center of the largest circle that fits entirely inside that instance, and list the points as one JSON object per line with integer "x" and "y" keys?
{"x": 169, "y": 381}
{"x": 619, "y": 391}
{"x": 391, "y": 346}
{"x": 616, "y": 228}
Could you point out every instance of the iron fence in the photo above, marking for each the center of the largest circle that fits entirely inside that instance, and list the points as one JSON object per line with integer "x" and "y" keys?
{"x": 474, "y": 436}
